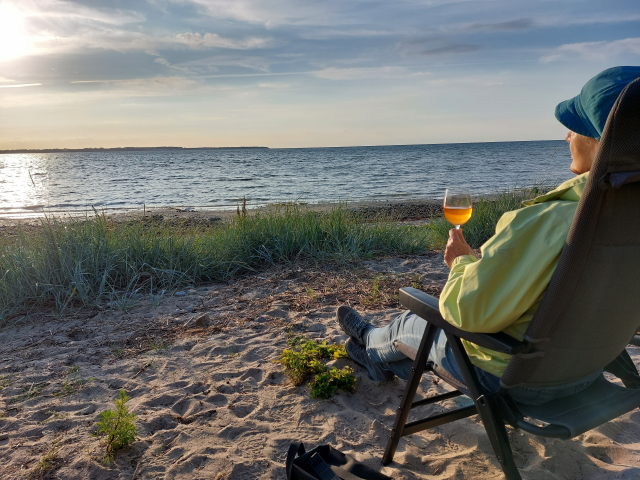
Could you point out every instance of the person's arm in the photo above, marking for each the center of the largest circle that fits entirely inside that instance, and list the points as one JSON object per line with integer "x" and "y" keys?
{"x": 489, "y": 294}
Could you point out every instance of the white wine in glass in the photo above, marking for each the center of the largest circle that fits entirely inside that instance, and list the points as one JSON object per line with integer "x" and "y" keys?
{"x": 457, "y": 207}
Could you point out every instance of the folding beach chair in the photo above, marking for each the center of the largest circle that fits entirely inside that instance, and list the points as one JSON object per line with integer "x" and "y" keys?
{"x": 588, "y": 314}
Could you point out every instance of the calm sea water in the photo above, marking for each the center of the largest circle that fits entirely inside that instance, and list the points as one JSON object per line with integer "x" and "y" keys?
{"x": 217, "y": 178}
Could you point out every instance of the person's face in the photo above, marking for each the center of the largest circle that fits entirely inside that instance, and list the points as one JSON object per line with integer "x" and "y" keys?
{"x": 583, "y": 151}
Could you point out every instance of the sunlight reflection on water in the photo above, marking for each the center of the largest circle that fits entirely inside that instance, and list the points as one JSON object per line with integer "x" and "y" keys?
{"x": 218, "y": 178}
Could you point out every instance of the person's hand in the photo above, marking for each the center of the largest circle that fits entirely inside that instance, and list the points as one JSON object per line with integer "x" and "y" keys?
{"x": 456, "y": 246}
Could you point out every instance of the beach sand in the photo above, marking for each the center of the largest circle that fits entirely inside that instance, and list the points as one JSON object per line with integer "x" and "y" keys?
{"x": 211, "y": 402}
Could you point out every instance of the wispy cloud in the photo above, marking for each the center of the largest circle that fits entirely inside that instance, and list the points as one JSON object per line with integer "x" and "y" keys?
{"x": 518, "y": 24}
{"x": 360, "y": 73}
{"x": 595, "y": 50}
{"x": 452, "y": 48}
{"x": 21, "y": 85}
{"x": 213, "y": 40}
{"x": 275, "y": 12}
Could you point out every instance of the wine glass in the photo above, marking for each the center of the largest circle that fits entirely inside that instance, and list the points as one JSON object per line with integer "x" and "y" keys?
{"x": 457, "y": 207}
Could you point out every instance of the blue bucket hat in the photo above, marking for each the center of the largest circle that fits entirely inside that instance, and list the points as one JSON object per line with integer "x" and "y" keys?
{"x": 587, "y": 113}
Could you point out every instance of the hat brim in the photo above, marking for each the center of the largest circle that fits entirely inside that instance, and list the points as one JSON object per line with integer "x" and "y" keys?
{"x": 567, "y": 113}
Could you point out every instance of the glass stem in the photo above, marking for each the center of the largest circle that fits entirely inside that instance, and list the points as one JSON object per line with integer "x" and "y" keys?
{"x": 457, "y": 227}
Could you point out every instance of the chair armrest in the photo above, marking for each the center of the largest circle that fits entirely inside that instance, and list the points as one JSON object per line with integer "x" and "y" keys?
{"x": 426, "y": 307}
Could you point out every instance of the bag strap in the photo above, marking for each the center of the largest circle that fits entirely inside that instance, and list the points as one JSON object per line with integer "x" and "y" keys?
{"x": 322, "y": 469}
{"x": 295, "y": 449}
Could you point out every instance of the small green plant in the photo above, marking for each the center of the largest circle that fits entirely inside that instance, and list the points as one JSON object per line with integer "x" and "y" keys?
{"x": 53, "y": 415}
{"x": 30, "y": 392}
{"x": 71, "y": 383}
{"x": 118, "y": 426}
{"x": 375, "y": 293}
{"x": 416, "y": 282}
{"x": 118, "y": 352}
{"x": 159, "y": 344}
{"x": 48, "y": 462}
{"x": 325, "y": 384}
{"x": 304, "y": 359}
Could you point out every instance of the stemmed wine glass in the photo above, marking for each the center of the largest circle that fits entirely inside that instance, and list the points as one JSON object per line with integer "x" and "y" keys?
{"x": 457, "y": 207}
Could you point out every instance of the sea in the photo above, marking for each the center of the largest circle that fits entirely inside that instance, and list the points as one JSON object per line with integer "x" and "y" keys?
{"x": 33, "y": 184}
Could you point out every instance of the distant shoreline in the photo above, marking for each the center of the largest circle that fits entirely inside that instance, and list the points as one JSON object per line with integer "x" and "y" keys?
{"x": 134, "y": 149}
{"x": 402, "y": 210}
{"x": 122, "y": 149}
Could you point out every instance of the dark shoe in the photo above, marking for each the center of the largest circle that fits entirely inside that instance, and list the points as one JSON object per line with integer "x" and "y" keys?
{"x": 353, "y": 324}
{"x": 358, "y": 354}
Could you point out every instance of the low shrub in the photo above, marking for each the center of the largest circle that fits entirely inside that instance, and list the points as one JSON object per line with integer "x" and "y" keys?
{"x": 304, "y": 360}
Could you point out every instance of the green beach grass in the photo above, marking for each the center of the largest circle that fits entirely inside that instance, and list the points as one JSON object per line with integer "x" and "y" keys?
{"x": 97, "y": 261}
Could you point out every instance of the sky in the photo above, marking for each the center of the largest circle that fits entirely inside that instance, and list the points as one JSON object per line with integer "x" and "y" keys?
{"x": 299, "y": 73}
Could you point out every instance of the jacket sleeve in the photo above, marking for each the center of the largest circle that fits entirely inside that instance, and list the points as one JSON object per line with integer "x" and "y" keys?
{"x": 490, "y": 294}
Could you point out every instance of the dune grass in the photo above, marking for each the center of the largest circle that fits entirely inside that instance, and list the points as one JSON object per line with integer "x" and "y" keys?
{"x": 96, "y": 261}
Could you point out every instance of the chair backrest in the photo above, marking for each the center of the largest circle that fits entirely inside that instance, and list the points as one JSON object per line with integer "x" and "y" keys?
{"x": 592, "y": 305}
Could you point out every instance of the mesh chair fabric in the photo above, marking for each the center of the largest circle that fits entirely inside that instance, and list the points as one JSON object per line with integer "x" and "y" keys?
{"x": 592, "y": 305}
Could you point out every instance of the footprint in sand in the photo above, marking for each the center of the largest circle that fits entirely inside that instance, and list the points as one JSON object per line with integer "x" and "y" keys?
{"x": 161, "y": 422}
{"x": 246, "y": 405}
{"x": 161, "y": 401}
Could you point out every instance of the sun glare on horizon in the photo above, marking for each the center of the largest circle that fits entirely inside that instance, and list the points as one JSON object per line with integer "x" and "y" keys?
{"x": 14, "y": 39}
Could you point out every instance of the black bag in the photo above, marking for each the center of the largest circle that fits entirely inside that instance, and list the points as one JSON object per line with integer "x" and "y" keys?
{"x": 326, "y": 463}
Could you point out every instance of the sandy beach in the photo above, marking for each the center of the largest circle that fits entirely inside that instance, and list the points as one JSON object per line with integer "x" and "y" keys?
{"x": 212, "y": 403}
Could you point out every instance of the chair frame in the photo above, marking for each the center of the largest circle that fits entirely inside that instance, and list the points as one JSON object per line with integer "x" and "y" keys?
{"x": 484, "y": 402}
{"x": 495, "y": 409}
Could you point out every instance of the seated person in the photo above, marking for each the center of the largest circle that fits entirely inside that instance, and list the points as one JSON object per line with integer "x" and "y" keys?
{"x": 500, "y": 291}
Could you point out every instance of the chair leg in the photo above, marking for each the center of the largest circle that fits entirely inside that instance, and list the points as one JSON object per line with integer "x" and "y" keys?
{"x": 419, "y": 366}
{"x": 492, "y": 421}
{"x": 624, "y": 368}
{"x": 497, "y": 434}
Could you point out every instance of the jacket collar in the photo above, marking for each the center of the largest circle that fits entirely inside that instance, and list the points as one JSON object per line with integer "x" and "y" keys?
{"x": 571, "y": 190}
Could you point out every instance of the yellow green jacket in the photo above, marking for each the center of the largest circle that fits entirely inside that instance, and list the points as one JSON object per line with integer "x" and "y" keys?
{"x": 501, "y": 291}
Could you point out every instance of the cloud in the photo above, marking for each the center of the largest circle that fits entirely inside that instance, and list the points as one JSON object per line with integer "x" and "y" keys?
{"x": 275, "y": 12}
{"x": 452, "y": 48}
{"x": 57, "y": 26}
{"x": 348, "y": 32}
{"x": 152, "y": 85}
{"x": 274, "y": 85}
{"x": 104, "y": 90}
{"x": 213, "y": 40}
{"x": 518, "y": 24}
{"x": 598, "y": 18}
{"x": 20, "y": 85}
{"x": 594, "y": 51}
{"x": 69, "y": 11}
{"x": 360, "y": 73}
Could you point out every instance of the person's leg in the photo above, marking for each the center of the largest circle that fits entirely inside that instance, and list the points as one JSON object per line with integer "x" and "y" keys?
{"x": 408, "y": 329}
{"x": 381, "y": 354}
